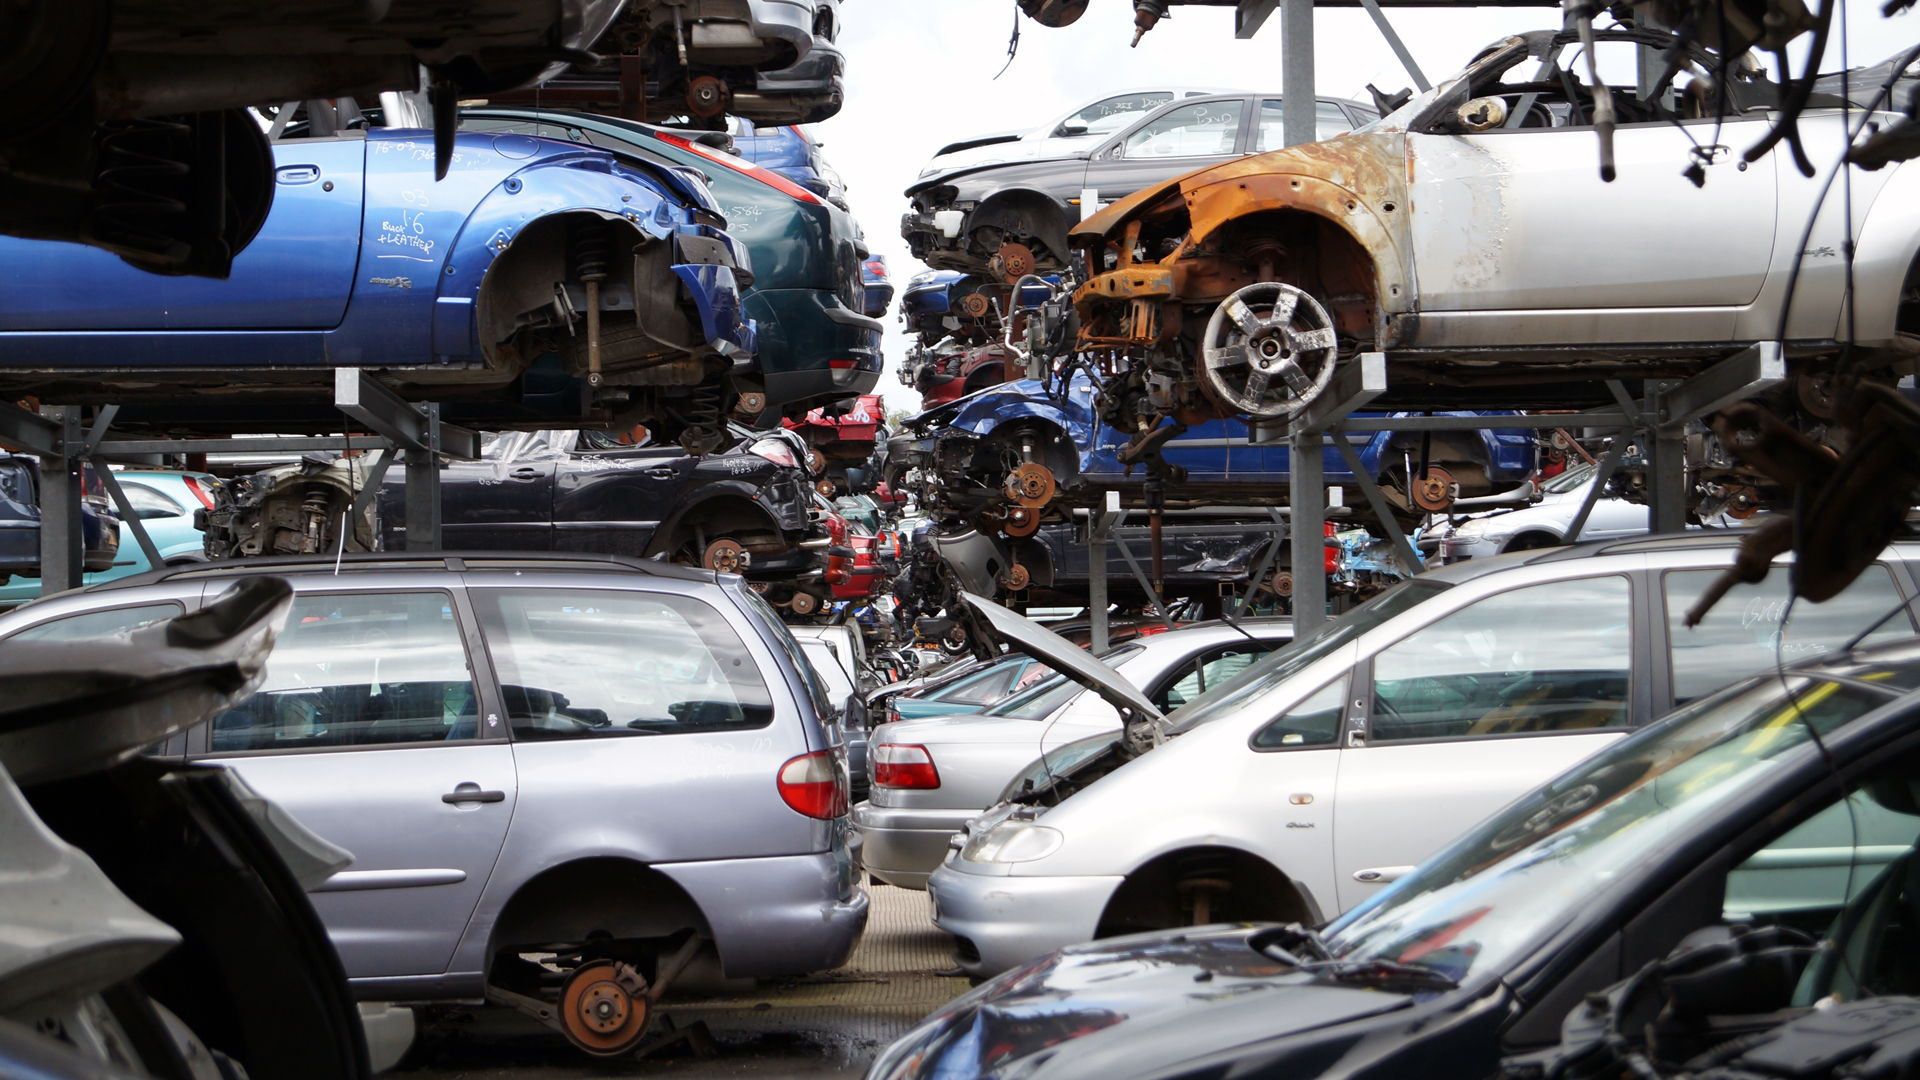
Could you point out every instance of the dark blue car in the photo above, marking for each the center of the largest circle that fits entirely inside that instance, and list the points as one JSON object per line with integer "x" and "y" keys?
{"x": 472, "y": 290}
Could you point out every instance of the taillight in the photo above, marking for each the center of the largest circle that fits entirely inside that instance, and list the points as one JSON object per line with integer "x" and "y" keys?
{"x": 771, "y": 179}
{"x": 897, "y": 765}
{"x": 843, "y": 365}
{"x": 199, "y": 491}
{"x": 812, "y": 785}
{"x": 776, "y": 451}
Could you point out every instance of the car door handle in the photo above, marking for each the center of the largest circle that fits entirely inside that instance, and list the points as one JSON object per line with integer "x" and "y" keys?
{"x": 525, "y": 474}
{"x": 1380, "y": 875}
{"x": 473, "y": 794}
{"x": 662, "y": 472}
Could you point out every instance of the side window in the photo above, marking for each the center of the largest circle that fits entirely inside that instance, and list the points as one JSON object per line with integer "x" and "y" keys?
{"x": 359, "y": 669}
{"x": 1206, "y": 130}
{"x": 96, "y": 624}
{"x": 1206, "y": 672}
{"x": 583, "y": 663}
{"x": 1109, "y": 116}
{"x": 149, "y": 503}
{"x": 1744, "y": 632}
{"x": 1328, "y": 121}
{"x": 1313, "y": 722}
{"x": 1552, "y": 657}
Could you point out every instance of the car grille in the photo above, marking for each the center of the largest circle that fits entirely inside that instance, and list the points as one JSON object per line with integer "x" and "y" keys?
{"x": 965, "y": 950}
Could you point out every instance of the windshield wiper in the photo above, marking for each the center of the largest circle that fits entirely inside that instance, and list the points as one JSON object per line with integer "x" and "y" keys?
{"x": 1288, "y": 943}
{"x": 1389, "y": 971}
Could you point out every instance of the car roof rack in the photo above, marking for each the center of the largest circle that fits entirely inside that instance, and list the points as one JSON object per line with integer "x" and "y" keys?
{"x": 1705, "y": 538}
{"x": 455, "y": 561}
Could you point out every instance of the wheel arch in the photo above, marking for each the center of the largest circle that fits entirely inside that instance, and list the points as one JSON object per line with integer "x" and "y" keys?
{"x": 724, "y": 507}
{"x": 1024, "y": 212}
{"x": 1146, "y": 897}
{"x": 622, "y": 897}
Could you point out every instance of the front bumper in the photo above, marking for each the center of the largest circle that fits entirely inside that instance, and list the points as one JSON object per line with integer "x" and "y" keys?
{"x": 1456, "y": 548}
{"x": 1004, "y": 921}
{"x": 787, "y": 915}
{"x": 806, "y": 93}
{"x": 904, "y": 845}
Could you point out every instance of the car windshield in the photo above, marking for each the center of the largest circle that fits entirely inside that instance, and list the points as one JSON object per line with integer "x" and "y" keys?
{"x": 1569, "y": 480}
{"x": 1039, "y": 701}
{"x": 1526, "y": 871}
{"x": 1276, "y": 668}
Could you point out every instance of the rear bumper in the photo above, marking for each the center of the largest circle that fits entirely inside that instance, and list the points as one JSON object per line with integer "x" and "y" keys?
{"x": 788, "y": 915}
{"x": 803, "y": 332}
{"x": 902, "y": 846}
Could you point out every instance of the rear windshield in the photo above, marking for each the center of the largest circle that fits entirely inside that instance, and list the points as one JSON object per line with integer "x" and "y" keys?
{"x": 1040, "y": 700}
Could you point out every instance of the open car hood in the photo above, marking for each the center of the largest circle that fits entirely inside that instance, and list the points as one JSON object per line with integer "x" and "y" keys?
{"x": 1027, "y": 636}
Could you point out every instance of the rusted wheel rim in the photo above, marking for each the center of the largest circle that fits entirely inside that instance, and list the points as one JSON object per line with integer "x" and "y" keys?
{"x": 598, "y": 1013}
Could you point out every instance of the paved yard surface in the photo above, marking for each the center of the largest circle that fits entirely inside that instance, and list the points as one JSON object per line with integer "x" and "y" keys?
{"x": 831, "y": 1024}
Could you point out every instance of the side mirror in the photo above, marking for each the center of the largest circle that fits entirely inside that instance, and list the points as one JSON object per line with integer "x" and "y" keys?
{"x": 1070, "y": 130}
{"x": 853, "y": 715}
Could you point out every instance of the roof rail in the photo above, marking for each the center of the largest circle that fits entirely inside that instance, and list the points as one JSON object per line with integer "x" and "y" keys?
{"x": 456, "y": 561}
{"x": 1689, "y": 541}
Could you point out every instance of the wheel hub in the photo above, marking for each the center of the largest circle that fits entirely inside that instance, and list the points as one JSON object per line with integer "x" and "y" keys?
{"x": 725, "y": 557}
{"x": 603, "y": 1008}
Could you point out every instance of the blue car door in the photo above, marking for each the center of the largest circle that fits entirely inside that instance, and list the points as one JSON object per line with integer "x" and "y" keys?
{"x": 296, "y": 274}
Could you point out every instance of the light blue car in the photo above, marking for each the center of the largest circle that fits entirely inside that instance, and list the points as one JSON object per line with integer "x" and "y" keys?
{"x": 165, "y": 502}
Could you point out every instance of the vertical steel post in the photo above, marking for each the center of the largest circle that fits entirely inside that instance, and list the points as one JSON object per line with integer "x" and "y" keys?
{"x": 1098, "y": 521}
{"x": 62, "y": 537}
{"x": 1666, "y": 464}
{"x": 423, "y": 489}
{"x": 1307, "y": 495}
{"x": 1297, "y": 104}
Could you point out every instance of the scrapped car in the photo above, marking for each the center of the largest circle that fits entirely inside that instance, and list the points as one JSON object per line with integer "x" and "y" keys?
{"x": 793, "y": 152}
{"x": 773, "y": 61}
{"x": 1326, "y": 771}
{"x": 471, "y": 287}
{"x": 169, "y": 505}
{"x": 1012, "y": 219}
{"x": 1077, "y": 130}
{"x": 961, "y": 341}
{"x": 816, "y": 345}
{"x": 136, "y": 133}
{"x": 1766, "y": 830}
{"x": 965, "y": 687}
{"x": 508, "y": 744}
{"x": 1546, "y": 521}
{"x": 153, "y": 915}
{"x": 1441, "y": 237}
{"x": 931, "y": 776}
{"x": 838, "y": 653}
{"x": 840, "y": 439}
{"x": 20, "y": 520}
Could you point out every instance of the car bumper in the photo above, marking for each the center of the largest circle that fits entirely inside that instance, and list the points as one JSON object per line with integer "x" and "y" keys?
{"x": 1457, "y": 548}
{"x": 903, "y": 846}
{"x": 788, "y": 915}
{"x": 803, "y": 334}
{"x": 1004, "y": 921}
{"x": 716, "y": 295}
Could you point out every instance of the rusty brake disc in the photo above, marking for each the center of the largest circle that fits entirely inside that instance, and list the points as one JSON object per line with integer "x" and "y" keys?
{"x": 603, "y": 1008}
{"x": 1435, "y": 493}
{"x": 725, "y": 557}
{"x": 1012, "y": 262}
{"x": 1031, "y": 485}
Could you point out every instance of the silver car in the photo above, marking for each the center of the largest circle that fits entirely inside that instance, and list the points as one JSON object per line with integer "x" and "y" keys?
{"x": 567, "y": 780}
{"x": 930, "y": 777}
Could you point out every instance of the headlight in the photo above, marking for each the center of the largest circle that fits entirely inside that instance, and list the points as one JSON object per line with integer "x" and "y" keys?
{"x": 1471, "y": 527}
{"x": 1012, "y": 842}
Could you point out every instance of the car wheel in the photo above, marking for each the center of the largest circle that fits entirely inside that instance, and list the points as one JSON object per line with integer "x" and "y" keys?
{"x": 1531, "y": 541}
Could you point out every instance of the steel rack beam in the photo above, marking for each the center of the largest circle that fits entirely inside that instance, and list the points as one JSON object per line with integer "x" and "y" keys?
{"x": 1376, "y": 499}
{"x": 290, "y": 444}
{"x": 1753, "y": 370}
{"x": 62, "y": 534}
{"x": 1352, "y": 387}
{"x": 407, "y": 425}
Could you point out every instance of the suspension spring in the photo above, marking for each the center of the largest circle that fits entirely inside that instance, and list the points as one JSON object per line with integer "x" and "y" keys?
{"x": 702, "y": 434}
{"x": 592, "y": 258}
{"x": 140, "y": 171}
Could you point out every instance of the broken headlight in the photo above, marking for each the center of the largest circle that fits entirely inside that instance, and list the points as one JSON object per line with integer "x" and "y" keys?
{"x": 1013, "y": 841}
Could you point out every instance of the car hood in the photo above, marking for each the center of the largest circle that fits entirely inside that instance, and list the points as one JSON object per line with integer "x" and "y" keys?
{"x": 963, "y": 168}
{"x": 1127, "y": 1006}
{"x": 1029, "y": 637}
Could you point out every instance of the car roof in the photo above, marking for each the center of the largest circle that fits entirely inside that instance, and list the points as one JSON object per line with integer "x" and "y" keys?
{"x": 416, "y": 561}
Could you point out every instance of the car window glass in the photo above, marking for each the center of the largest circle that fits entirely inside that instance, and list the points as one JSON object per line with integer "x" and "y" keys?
{"x": 1039, "y": 701}
{"x": 1328, "y": 121}
{"x": 580, "y": 663}
{"x": 94, "y": 624}
{"x": 1029, "y": 675}
{"x": 1553, "y": 657}
{"x": 1200, "y": 130}
{"x": 16, "y": 482}
{"x": 1106, "y": 117}
{"x": 772, "y": 627}
{"x": 1743, "y": 634}
{"x": 1313, "y": 722}
{"x": 149, "y": 503}
{"x": 1212, "y": 670}
{"x": 986, "y": 687}
{"x": 359, "y": 669}
{"x": 1569, "y": 480}
{"x": 1848, "y": 874}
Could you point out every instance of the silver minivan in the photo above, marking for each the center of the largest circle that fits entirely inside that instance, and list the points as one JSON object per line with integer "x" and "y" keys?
{"x": 567, "y": 780}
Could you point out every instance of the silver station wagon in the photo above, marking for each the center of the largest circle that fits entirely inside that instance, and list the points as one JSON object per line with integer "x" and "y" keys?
{"x": 568, "y": 782}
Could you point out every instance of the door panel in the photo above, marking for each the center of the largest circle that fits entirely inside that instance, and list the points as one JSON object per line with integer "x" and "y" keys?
{"x": 496, "y": 505}
{"x": 613, "y": 501}
{"x": 367, "y": 723}
{"x": 1505, "y": 221}
{"x": 297, "y": 273}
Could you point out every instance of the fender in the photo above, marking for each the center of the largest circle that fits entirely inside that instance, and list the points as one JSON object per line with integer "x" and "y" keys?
{"x": 1025, "y": 399}
{"x": 736, "y": 492}
{"x": 1889, "y": 244}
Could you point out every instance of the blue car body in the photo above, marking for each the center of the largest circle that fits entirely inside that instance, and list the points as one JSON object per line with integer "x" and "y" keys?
{"x": 787, "y": 150}
{"x": 367, "y": 261}
{"x": 1511, "y": 455}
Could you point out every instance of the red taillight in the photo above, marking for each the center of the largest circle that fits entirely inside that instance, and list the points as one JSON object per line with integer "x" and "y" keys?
{"x": 897, "y": 765}
{"x": 199, "y": 491}
{"x": 812, "y": 785}
{"x": 771, "y": 179}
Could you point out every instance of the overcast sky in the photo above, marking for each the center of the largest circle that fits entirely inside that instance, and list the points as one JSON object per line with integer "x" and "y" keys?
{"x": 920, "y": 74}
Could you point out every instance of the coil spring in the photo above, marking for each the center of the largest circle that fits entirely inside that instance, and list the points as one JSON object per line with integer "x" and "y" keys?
{"x": 136, "y": 175}
{"x": 702, "y": 434}
{"x": 592, "y": 249}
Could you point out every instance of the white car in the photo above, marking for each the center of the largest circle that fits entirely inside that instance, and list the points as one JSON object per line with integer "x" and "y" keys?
{"x": 931, "y": 776}
{"x": 1545, "y": 523}
{"x": 1060, "y": 137}
{"x": 1328, "y": 769}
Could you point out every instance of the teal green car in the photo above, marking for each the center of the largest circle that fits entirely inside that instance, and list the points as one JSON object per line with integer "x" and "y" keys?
{"x": 971, "y": 693}
{"x": 166, "y": 503}
{"x": 816, "y": 344}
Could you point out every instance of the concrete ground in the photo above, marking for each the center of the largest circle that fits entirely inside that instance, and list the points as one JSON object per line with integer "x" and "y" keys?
{"x": 830, "y": 1024}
